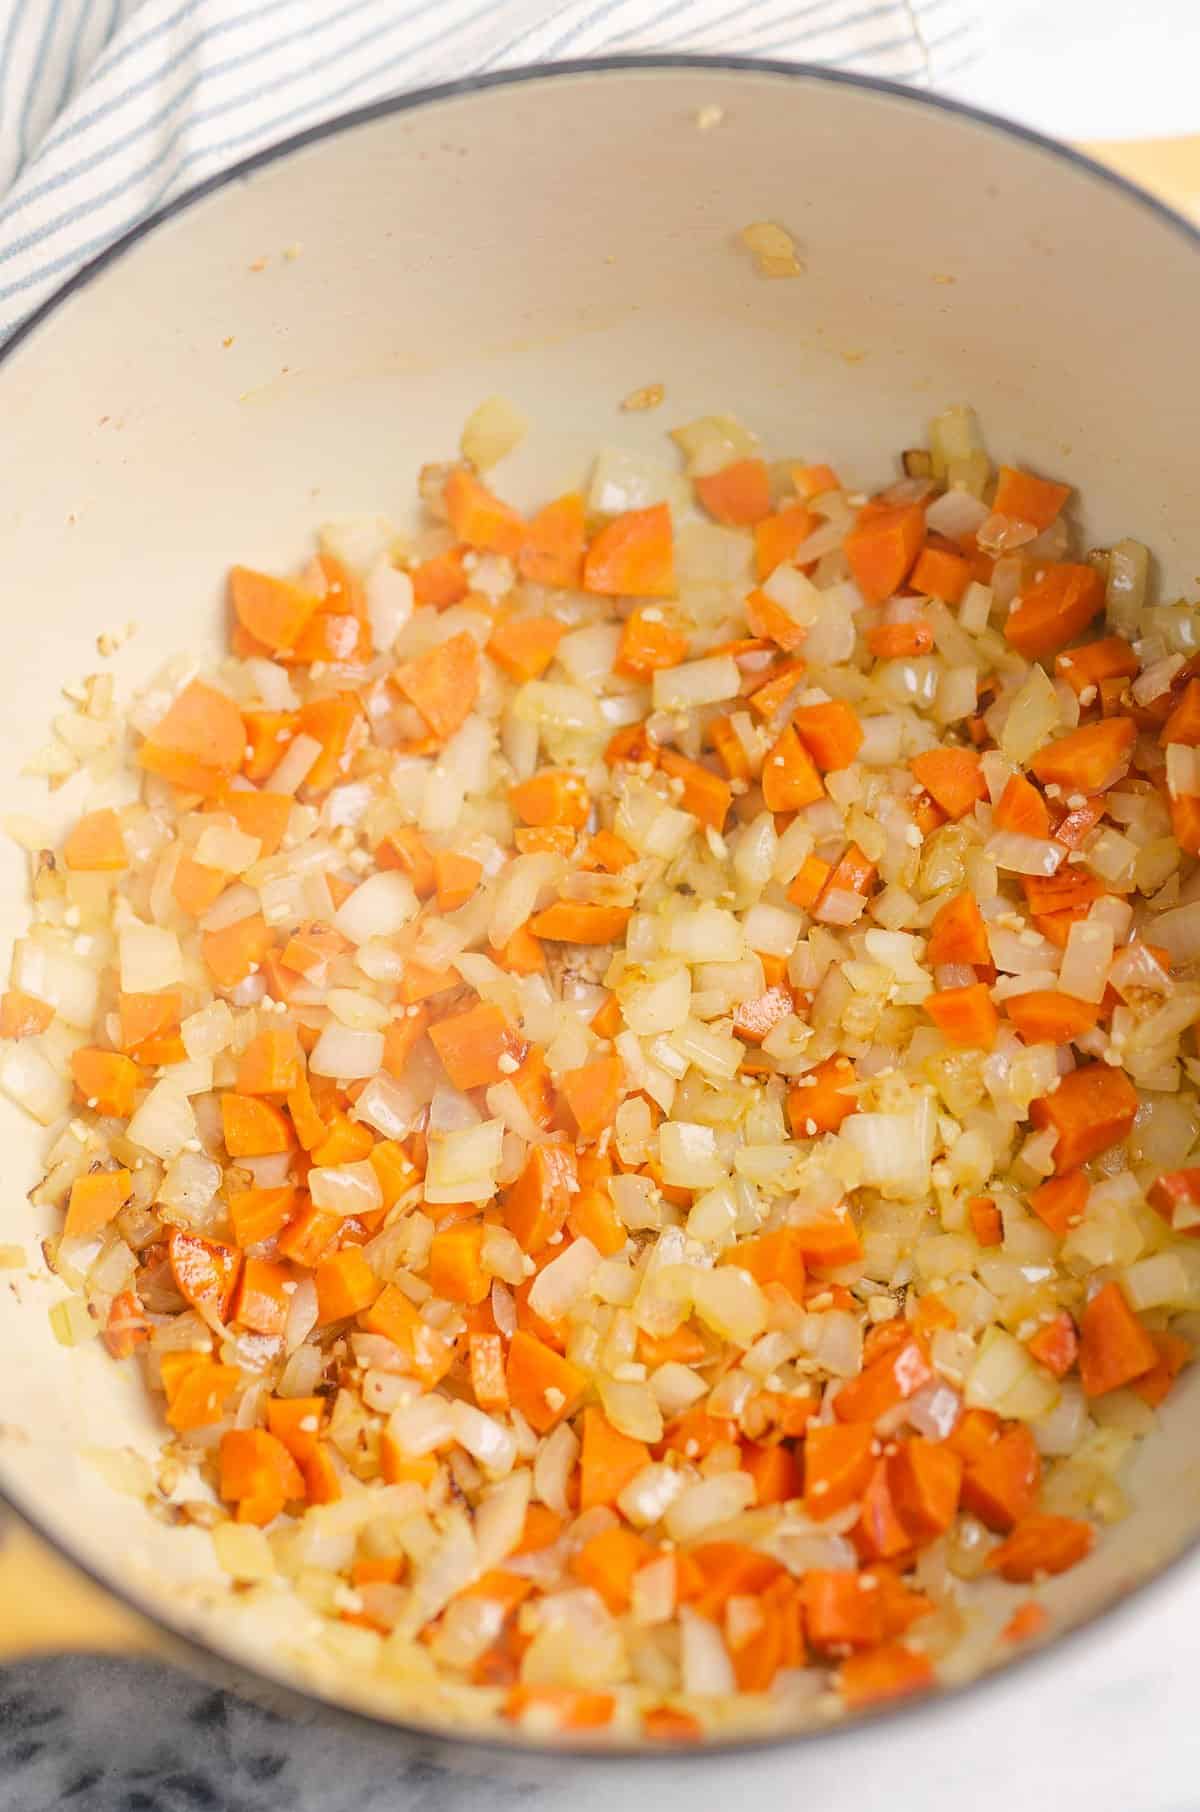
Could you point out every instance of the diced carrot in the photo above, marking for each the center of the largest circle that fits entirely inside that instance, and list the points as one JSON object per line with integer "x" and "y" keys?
{"x": 832, "y": 733}
{"x": 199, "y": 744}
{"x": 815, "y": 481}
{"x": 573, "y": 1708}
{"x": 96, "y": 844}
{"x": 650, "y": 640}
{"x": 926, "y": 1480}
{"x": 407, "y": 850}
{"x": 443, "y": 683}
{"x": 606, "y": 852}
{"x": 1090, "y": 1110}
{"x": 1000, "y": 1486}
{"x": 1114, "y": 1347}
{"x": 429, "y": 1352}
{"x": 253, "y": 1128}
{"x": 536, "y": 1204}
{"x": 880, "y": 1534}
{"x": 1021, "y": 808}
{"x": 1027, "y": 1621}
{"x": 790, "y": 780}
{"x": 1054, "y": 609}
{"x": 195, "y": 887}
{"x": 941, "y": 574}
{"x": 556, "y": 839}
{"x": 1176, "y": 1196}
{"x": 1185, "y": 823}
{"x": 897, "y": 641}
{"x": 336, "y": 722}
{"x": 837, "y": 1466}
{"x": 322, "y": 1481}
{"x": 770, "y": 621}
{"x": 274, "y": 611}
{"x": 267, "y": 735}
{"x": 769, "y": 699}
{"x": 522, "y": 954}
{"x": 671, "y": 1724}
{"x": 394, "y": 1168}
{"x": 259, "y": 814}
{"x": 1043, "y": 1016}
{"x": 553, "y": 548}
{"x": 1077, "y": 824}
{"x": 592, "y": 1093}
{"x": 486, "y": 1364}
{"x": 754, "y": 1018}
{"x": 232, "y": 952}
{"x": 106, "y": 1081}
{"x": 270, "y": 1064}
{"x": 1023, "y": 497}
{"x": 543, "y": 1385}
{"x": 1173, "y": 1354}
{"x": 421, "y": 983}
{"x": 1183, "y": 725}
{"x": 524, "y": 646}
{"x": 1041, "y": 1544}
{"x": 953, "y": 777}
{"x": 580, "y": 922}
{"x": 891, "y": 1379}
{"x": 442, "y": 579}
{"x": 777, "y": 537}
{"x": 1056, "y": 1344}
{"x": 259, "y": 1214}
{"x": 958, "y": 934}
{"x": 260, "y": 1301}
{"x": 1061, "y": 892}
{"x": 196, "y": 1388}
{"x": 986, "y": 1222}
{"x": 258, "y": 1474}
{"x": 854, "y": 873}
{"x": 455, "y": 1267}
{"x": 633, "y": 556}
{"x": 403, "y": 1033}
{"x": 543, "y": 1526}
{"x": 776, "y": 1257}
{"x": 1088, "y": 759}
{"x": 1060, "y": 1202}
{"x": 479, "y": 518}
{"x": 819, "y": 1100}
{"x": 729, "y": 1569}
{"x": 552, "y": 796}
{"x": 965, "y": 1016}
{"x": 932, "y": 1314}
{"x": 346, "y": 1141}
{"x": 478, "y": 1047}
{"x": 882, "y": 547}
{"x": 205, "y": 1271}
{"x": 891, "y": 1671}
{"x": 534, "y": 1086}
{"x": 96, "y": 1198}
{"x": 702, "y": 793}
{"x": 308, "y": 1235}
{"x": 739, "y": 495}
{"x": 23, "y": 1015}
{"x": 774, "y": 1470}
{"x": 810, "y": 883}
{"x": 1087, "y": 667}
{"x": 975, "y": 1431}
{"x": 841, "y": 1611}
{"x": 345, "y": 1285}
{"x": 608, "y": 1460}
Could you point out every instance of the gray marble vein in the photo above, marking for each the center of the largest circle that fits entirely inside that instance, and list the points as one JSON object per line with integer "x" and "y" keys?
{"x": 90, "y": 1734}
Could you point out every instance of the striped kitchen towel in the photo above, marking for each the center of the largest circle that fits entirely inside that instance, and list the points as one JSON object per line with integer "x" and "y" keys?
{"x": 110, "y": 108}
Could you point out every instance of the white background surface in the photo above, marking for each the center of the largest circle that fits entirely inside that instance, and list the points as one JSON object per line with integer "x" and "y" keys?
{"x": 1089, "y": 69}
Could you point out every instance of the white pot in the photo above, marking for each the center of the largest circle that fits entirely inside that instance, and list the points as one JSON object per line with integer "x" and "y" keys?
{"x": 295, "y": 342}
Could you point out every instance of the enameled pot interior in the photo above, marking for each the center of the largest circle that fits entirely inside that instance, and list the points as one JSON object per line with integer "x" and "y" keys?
{"x": 294, "y": 345}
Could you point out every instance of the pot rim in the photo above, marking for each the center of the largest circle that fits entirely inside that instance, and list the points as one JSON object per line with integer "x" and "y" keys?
{"x": 309, "y": 1701}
